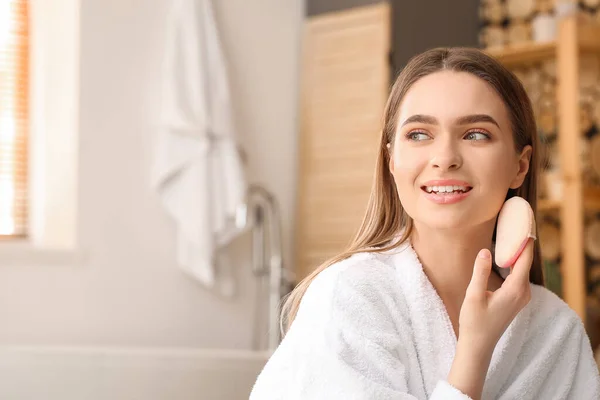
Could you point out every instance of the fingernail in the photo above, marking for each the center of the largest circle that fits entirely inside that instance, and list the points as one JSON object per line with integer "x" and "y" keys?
{"x": 484, "y": 253}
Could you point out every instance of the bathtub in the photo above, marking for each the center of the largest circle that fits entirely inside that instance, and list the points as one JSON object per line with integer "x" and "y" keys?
{"x": 81, "y": 373}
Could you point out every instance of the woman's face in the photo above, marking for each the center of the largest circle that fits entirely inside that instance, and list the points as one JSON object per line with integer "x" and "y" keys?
{"x": 453, "y": 157}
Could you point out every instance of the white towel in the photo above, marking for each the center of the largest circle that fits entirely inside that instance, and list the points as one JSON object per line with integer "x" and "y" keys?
{"x": 198, "y": 172}
{"x": 373, "y": 327}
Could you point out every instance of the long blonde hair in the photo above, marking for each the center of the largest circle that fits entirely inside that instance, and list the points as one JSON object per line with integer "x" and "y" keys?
{"x": 385, "y": 218}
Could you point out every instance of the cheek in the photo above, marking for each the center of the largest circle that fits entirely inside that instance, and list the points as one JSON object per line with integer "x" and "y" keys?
{"x": 500, "y": 169}
{"x": 408, "y": 166}
{"x": 496, "y": 172}
{"x": 408, "y": 163}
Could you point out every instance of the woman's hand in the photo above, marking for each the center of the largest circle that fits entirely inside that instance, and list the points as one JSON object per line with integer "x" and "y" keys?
{"x": 485, "y": 315}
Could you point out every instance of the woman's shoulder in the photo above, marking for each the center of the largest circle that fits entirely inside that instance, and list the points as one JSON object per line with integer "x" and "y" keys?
{"x": 359, "y": 279}
{"x": 549, "y": 348}
{"x": 360, "y": 294}
{"x": 361, "y": 270}
{"x": 548, "y": 310}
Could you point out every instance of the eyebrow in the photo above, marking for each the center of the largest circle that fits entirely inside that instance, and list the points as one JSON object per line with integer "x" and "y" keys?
{"x": 466, "y": 120}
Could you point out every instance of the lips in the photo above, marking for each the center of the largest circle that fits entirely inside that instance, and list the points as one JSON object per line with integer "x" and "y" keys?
{"x": 441, "y": 186}
{"x": 446, "y": 191}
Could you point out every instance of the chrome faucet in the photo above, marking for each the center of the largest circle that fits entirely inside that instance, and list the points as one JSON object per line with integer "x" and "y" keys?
{"x": 261, "y": 215}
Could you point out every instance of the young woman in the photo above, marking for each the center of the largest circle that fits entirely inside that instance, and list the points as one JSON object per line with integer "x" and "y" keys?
{"x": 416, "y": 308}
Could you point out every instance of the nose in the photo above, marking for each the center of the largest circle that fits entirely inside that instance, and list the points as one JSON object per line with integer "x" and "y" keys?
{"x": 446, "y": 155}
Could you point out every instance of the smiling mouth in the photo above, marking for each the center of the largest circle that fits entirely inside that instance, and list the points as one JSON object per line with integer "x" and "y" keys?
{"x": 450, "y": 189}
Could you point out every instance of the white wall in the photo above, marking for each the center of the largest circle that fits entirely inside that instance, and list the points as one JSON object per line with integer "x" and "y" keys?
{"x": 129, "y": 291}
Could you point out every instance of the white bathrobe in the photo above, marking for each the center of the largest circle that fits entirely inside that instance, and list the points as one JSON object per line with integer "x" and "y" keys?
{"x": 373, "y": 327}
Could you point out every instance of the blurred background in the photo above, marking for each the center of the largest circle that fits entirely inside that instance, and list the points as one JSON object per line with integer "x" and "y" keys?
{"x": 169, "y": 170}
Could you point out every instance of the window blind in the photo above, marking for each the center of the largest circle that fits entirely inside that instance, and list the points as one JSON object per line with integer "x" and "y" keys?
{"x": 14, "y": 64}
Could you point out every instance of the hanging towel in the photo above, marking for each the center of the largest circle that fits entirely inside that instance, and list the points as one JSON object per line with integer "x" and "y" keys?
{"x": 198, "y": 172}
{"x": 373, "y": 327}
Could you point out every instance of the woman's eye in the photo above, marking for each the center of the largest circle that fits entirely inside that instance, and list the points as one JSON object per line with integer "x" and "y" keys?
{"x": 417, "y": 136}
{"x": 477, "y": 136}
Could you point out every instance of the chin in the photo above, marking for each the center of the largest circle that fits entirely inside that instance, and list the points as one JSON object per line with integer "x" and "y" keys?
{"x": 447, "y": 225}
{"x": 455, "y": 222}
{"x": 450, "y": 220}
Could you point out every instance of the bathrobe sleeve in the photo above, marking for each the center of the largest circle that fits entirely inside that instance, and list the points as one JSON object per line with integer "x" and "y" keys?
{"x": 345, "y": 343}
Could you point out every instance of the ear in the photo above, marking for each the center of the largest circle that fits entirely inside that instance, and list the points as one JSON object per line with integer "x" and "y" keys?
{"x": 524, "y": 163}
{"x": 391, "y": 153}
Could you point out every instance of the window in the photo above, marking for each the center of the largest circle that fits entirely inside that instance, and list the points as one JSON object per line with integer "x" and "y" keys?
{"x": 39, "y": 132}
{"x": 14, "y": 117}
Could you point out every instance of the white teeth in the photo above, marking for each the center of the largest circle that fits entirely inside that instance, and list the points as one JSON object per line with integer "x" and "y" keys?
{"x": 445, "y": 189}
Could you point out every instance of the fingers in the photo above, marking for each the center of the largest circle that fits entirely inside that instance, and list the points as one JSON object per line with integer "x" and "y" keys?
{"x": 523, "y": 264}
{"x": 516, "y": 289}
{"x": 481, "y": 272}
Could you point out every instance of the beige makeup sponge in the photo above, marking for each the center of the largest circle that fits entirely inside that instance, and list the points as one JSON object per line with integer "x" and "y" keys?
{"x": 514, "y": 229}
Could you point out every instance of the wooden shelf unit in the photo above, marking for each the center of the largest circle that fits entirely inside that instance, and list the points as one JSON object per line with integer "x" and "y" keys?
{"x": 573, "y": 39}
{"x": 591, "y": 201}
{"x": 523, "y": 54}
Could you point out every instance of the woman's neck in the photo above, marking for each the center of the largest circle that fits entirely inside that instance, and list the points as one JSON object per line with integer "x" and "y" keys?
{"x": 448, "y": 257}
